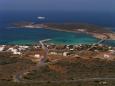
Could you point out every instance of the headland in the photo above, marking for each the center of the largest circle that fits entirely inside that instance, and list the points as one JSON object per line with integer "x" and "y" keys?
{"x": 95, "y": 31}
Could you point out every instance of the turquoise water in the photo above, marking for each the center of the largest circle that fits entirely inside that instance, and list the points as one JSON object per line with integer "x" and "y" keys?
{"x": 30, "y": 36}
{"x": 22, "y": 42}
{"x": 74, "y": 38}
{"x": 33, "y": 36}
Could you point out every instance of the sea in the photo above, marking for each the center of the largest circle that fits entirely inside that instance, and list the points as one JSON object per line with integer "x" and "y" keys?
{"x": 26, "y": 36}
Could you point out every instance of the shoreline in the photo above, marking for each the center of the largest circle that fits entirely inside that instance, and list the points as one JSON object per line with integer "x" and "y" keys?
{"x": 96, "y": 35}
{"x": 94, "y": 31}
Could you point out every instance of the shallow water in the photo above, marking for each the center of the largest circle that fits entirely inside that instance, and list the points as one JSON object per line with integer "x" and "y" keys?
{"x": 30, "y": 36}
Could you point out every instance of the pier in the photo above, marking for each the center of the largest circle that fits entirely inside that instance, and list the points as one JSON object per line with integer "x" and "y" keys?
{"x": 99, "y": 42}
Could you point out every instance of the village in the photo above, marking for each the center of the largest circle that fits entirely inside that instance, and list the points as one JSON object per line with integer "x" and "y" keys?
{"x": 36, "y": 53}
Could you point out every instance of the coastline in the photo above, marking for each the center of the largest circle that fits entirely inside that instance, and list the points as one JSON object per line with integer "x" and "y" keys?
{"x": 107, "y": 36}
{"x": 99, "y": 33}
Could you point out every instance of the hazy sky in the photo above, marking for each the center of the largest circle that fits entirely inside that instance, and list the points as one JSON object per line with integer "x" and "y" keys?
{"x": 64, "y": 5}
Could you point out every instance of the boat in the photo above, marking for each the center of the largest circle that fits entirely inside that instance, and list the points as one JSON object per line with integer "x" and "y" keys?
{"x": 41, "y": 17}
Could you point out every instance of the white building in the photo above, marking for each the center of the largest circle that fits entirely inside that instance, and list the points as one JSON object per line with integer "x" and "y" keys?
{"x": 53, "y": 53}
{"x": 23, "y": 48}
{"x": 14, "y": 51}
{"x": 107, "y": 56}
{"x": 37, "y": 56}
{"x": 2, "y": 48}
{"x": 65, "y": 53}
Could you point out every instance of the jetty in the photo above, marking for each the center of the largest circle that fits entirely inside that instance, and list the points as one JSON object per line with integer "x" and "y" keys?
{"x": 99, "y": 42}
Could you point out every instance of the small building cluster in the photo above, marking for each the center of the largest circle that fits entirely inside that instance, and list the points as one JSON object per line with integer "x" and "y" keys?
{"x": 14, "y": 49}
{"x": 67, "y": 50}
{"x": 17, "y": 49}
{"x": 36, "y": 53}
